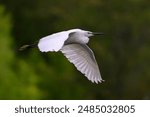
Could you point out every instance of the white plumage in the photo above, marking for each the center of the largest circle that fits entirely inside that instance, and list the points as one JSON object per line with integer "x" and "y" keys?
{"x": 72, "y": 44}
{"x": 83, "y": 58}
{"x": 53, "y": 42}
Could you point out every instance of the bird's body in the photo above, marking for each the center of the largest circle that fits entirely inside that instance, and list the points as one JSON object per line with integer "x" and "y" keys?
{"x": 72, "y": 44}
{"x": 56, "y": 41}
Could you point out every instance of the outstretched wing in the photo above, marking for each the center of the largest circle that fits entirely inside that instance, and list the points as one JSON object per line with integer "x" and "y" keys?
{"x": 83, "y": 59}
{"x": 53, "y": 42}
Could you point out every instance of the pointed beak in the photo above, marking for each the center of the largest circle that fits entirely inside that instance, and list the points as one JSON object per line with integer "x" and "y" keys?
{"x": 98, "y": 33}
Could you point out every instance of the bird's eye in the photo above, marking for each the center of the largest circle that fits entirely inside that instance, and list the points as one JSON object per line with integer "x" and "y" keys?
{"x": 89, "y": 32}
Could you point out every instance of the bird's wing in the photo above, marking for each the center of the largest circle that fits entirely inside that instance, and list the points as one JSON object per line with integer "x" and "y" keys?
{"x": 53, "y": 42}
{"x": 83, "y": 59}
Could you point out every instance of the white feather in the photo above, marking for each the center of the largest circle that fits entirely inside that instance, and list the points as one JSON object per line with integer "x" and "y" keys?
{"x": 83, "y": 59}
{"x": 53, "y": 42}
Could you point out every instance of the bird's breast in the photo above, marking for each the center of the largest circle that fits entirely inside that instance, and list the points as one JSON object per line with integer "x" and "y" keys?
{"x": 85, "y": 40}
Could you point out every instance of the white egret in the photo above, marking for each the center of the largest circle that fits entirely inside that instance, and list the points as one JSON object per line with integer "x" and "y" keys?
{"x": 72, "y": 44}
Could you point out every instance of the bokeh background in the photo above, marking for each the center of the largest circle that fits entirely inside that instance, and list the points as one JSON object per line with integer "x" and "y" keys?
{"x": 123, "y": 53}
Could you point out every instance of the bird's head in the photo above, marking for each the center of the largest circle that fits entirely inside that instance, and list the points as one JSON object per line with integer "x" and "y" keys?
{"x": 89, "y": 33}
{"x": 85, "y": 33}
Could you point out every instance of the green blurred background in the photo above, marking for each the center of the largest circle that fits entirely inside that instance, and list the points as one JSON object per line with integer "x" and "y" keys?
{"x": 123, "y": 53}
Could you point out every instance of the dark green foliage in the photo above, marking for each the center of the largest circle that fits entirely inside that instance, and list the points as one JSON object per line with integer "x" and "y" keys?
{"x": 123, "y": 53}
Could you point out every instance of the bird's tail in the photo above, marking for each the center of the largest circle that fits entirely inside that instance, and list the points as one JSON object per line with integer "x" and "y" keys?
{"x": 27, "y": 46}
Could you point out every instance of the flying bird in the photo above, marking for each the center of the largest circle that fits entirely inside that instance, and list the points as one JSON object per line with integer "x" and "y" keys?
{"x": 73, "y": 44}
